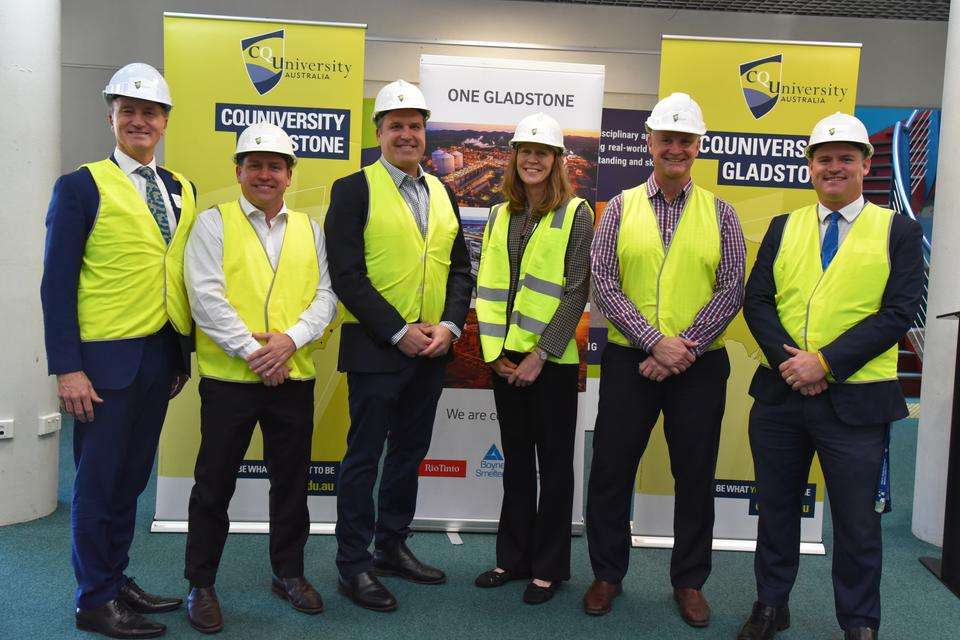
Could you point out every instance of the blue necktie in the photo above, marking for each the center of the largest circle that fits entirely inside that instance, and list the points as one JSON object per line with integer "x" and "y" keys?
{"x": 831, "y": 240}
{"x": 155, "y": 202}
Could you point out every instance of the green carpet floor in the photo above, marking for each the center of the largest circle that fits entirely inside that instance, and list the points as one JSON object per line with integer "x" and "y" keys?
{"x": 36, "y": 585}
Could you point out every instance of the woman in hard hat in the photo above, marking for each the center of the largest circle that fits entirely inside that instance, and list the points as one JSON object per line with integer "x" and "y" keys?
{"x": 532, "y": 287}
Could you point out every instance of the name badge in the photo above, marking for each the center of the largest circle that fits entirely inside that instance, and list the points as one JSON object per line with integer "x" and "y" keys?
{"x": 177, "y": 200}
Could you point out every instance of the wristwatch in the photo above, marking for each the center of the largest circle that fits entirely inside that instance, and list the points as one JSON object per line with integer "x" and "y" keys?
{"x": 541, "y": 353}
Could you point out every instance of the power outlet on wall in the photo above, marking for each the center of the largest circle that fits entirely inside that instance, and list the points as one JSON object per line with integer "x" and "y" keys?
{"x": 49, "y": 423}
{"x": 6, "y": 429}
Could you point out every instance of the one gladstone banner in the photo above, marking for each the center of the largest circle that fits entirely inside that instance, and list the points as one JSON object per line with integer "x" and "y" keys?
{"x": 226, "y": 74}
{"x": 760, "y": 99}
{"x": 476, "y": 104}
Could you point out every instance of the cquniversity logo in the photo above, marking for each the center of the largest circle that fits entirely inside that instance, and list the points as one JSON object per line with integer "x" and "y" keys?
{"x": 760, "y": 81}
{"x": 263, "y": 59}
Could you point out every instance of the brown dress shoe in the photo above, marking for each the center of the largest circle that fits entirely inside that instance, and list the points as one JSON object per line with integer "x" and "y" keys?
{"x": 299, "y": 592}
{"x": 598, "y": 599}
{"x": 693, "y": 607}
{"x": 203, "y": 610}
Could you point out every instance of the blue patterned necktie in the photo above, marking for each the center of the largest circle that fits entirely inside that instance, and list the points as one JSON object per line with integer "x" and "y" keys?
{"x": 155, "y": 202}
{"x": 831, "y": 240}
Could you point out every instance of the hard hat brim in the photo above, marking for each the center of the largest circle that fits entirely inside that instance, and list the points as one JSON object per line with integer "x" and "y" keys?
{"x": 425, "y": 112}
{"x": 866, "y": 147}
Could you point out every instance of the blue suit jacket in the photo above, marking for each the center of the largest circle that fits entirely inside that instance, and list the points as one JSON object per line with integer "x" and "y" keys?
{"x": 110, "y": 364}
{"x": 856, "y": 404}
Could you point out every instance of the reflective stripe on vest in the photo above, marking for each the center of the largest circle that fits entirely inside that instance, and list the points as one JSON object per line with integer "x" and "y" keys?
{"x": 266, "y": 300}
{"x": 817, "y": 306}
{"x": 669, "y": 286}
{"x": 408, "y": 270}
{"x": 131, "y": 281}
{"x": 540, "y": 283}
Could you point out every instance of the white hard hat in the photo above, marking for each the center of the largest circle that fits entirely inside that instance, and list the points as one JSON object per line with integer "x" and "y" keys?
{"x": 267, "y": 137}
{"x": 138, "y": 80}
{"x": 539, "y": 128}
{"x": 677, "y": 112}
{"x": 400, "y": 94}
{"x": 840, "y": 127}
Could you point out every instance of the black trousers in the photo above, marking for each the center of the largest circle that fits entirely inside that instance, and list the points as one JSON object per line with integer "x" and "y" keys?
{"x": 692, "y": 404}
{"x": 783, "y": 439}
{"x": 397, "y": 408}
{"x": 228, "y": 413}
{"x": 538, "y": 426}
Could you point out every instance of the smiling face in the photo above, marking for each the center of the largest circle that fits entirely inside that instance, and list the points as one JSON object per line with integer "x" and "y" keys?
{"x": 836, "y": 172}
{"x": 403, "y": 138}
{"x": 673, "y": 154}
{"x": 263, "y": 178}
{"x": 534, "y": 162}
{"x": 137, "y": 125}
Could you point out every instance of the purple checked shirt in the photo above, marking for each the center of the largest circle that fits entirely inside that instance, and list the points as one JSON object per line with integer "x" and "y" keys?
{"x": 618, "y": 308}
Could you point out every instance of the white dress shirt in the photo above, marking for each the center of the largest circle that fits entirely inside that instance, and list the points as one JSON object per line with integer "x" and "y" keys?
{"x": 847, "y": 215}
{"x": 129, "y": 166}
{"x": 206, "y": 283}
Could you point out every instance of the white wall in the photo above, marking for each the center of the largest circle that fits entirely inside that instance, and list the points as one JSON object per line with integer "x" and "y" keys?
{"x": 902, "y": 61}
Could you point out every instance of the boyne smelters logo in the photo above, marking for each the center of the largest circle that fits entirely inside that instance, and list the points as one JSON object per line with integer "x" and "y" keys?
{"x": 263, "y": 60}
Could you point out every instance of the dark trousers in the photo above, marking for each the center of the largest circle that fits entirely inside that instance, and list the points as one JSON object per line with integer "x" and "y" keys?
{"x": 783, "y": 439}
{"x": 114, "y": 457}
{"x": 692, "y": 404}
{"x": 397, "y": 408}
{"x": 228, "y": 413}
{"x": 538, "y": 426}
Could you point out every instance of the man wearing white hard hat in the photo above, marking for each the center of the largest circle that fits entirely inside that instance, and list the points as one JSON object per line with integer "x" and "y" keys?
{"x": 117, "y": 326}
{"x": 668, "y": 265}
{"x": 260, "y": 293}
{"x": 835, "y": 286}
{"x": 400, "y": 266}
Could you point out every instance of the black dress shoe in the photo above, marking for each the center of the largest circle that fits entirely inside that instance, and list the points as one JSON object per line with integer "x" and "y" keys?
{"x": 764, "y": 622}
{"x": 116, "y": 620}
{"x": 365, "y": 590}
{"x": 301, "y": 594}
{"x": 401, "y": 562}
{"x": 203, "y": 610}
{"x": 535, "y": 594}
{"x": 860, "y": 633}
{"x": 490, "y": 579}
{"x": 142, "y": 602}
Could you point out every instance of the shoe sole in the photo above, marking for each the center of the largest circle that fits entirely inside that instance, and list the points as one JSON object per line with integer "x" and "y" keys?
{"x": 282, "y": 594}
{"x": 344, "y": 592}
{"x": 89, "y": 627}
{"x": 404, "y": 576}
{"x": 207, "y": 630}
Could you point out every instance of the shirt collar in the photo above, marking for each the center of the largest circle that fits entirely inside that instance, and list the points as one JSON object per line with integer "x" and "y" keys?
{"x": 249, "y": 209}
{"x": 849, "y": 212}
{"x": 653, "y": 188}
{"x": 399, "y": 175}
{"x": 128, "y": 165}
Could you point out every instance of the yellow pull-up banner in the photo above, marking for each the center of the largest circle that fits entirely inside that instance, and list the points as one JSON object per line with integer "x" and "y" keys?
{"x": 226, "y": 74}
{"x": 760, "y": 100}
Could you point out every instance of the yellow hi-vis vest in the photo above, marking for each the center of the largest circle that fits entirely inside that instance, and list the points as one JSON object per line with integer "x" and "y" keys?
{"x": 264, "y": 298}
{"x": 131, "y": 281}
{"x": 817, "y": 306}
{"x": 408, "y": 270}
{"x": 669, "y": 286}
{"x": 539, "y": 286}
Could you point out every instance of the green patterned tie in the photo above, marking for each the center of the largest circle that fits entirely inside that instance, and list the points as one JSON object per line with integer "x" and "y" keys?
{"x": 155, "y": 202}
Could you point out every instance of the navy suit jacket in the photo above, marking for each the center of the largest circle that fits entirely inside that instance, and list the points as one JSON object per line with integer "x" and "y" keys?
{"x": 856, "y": 404}
{"x": 110, "y": 364}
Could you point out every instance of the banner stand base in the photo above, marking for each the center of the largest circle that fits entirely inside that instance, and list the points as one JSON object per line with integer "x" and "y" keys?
{"x": 722, "y": 544}
{"x": 180, "y": 526}
{"x": 465, "y": 525}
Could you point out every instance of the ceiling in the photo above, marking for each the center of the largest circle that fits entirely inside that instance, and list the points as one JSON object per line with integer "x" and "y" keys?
{"x": 932, "y": 10}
